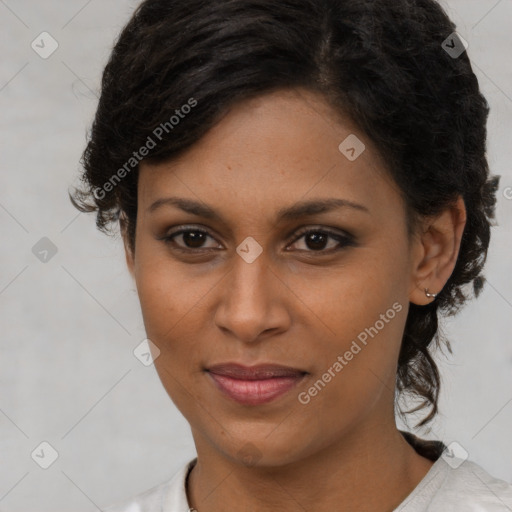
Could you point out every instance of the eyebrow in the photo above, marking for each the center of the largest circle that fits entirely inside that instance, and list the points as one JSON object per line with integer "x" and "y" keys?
{"x": 302, "y": 209}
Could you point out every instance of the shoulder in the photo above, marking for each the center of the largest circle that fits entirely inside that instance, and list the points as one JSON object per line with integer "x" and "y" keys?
{"x": 468, "y": 487}
{"x": 147, "y": 501}
{"x": 458, "y": 485}
{"x": 454, "y": 484}
{"x": 168, "y": 495}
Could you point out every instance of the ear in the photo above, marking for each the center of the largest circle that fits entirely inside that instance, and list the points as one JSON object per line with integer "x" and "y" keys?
{"x": 130, "y": 257}
{"x": 435, "y": 252}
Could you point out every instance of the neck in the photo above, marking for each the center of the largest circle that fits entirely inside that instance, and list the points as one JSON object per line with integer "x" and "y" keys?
{"x": 371, "y": 469}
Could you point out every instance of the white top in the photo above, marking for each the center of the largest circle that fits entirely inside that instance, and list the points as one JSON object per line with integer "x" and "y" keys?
{"x": 451, "y": 485}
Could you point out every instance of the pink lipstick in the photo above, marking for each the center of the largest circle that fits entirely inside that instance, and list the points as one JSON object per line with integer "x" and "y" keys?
{"x": 254, "y": 385}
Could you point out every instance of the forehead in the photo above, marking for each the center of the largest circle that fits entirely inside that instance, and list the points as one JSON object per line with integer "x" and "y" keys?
{"x": 278, "y": 148}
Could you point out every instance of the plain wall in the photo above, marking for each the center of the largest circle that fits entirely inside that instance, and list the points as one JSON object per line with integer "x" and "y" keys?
{"x": 67, "y": 372}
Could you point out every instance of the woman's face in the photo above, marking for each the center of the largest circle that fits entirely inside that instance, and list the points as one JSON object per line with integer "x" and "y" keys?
{"x": 255, "y": 290}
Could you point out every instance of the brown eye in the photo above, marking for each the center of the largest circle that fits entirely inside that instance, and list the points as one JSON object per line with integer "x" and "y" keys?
{"x": 316, "y": 240}
{"x": 193, "y": 239}
{"x": 190, "y": 239}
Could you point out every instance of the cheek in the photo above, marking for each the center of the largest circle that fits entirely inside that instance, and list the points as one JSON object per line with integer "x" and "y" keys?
{"x": 159, "y": 303}
{"x": 170, "y": 306}
{"x": 345, "y": 300}
{"x": 360, "y": 313}
{"x": 168, "y": 294}
{"x": 356, "y": 367}
{"x": 173, "y": 301}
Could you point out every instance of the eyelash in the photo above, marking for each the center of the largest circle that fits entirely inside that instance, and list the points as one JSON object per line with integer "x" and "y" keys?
{"x": 344, "y": 240}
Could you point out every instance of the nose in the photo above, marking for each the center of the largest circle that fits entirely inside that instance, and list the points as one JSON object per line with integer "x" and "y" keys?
{"x": 253, "y": 302}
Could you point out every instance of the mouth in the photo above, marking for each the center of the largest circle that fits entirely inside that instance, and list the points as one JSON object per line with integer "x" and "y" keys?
{"x": 254, "y": 385}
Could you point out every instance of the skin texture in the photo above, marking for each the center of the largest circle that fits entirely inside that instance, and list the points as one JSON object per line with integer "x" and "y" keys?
{"x": 291, "y": 306}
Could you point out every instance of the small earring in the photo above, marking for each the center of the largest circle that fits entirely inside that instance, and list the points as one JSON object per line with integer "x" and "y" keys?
{"x": 433, "y": 295}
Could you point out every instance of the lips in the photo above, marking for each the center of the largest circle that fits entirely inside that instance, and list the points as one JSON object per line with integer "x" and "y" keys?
{"x": 258, "y": 372}
{"x": 254, "y": 385}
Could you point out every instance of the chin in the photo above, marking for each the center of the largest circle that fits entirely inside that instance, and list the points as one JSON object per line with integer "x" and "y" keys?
{"x": 262, "y": 449}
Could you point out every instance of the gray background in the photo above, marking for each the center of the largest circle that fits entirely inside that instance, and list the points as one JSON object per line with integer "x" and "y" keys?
{"x": 69, "y": 326}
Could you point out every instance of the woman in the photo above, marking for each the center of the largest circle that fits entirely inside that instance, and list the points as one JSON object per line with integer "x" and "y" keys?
{"x": 302, "y": 189}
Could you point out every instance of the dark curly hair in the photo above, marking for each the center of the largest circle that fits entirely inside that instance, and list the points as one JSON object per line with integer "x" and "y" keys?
{"x": 380, "y": 62}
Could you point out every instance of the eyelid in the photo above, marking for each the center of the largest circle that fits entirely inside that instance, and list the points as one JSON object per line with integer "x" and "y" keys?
{"x": 321, "y": 229}
{"x": 169, "y": 236}
{"x": 343, "y": 239}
